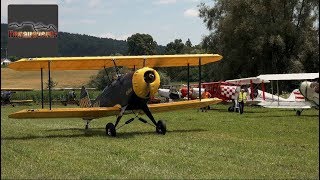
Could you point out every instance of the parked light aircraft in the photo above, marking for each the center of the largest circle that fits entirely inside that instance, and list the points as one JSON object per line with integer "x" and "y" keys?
{"x": 228, "y": 91}
{"x": 309, "y": 90}
{"x": 6, "y": 94}
{"x": 130, "y": 92}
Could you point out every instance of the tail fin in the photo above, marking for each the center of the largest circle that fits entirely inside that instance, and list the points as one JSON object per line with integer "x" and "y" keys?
{"x": 85, "y": 101}
{"x": 296, "y": 96}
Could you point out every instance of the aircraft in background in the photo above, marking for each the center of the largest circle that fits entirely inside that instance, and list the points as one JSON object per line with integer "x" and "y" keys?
{"x": 128, "y": 93}
{"x": 228, "y": 91}
{"x": 309, "y": 91}
{"x": 70, "y": 96}
{"x": 6, "y": 94}
{"x": 169, "y": 92}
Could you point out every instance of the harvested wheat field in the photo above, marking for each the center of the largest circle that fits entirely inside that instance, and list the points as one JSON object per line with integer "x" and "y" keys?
{"x": 31, "y": 79}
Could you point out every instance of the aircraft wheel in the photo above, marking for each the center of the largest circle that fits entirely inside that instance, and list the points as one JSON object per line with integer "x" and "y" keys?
{"x": 231, "y": 109}
{"x": 298, "y": 113}
{"x": 110, "y": 130}
{"x": 161, "y": 127}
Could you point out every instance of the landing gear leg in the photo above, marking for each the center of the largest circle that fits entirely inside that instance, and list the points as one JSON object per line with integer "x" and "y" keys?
{"x": 110, "y": 128}
{"x": 161, "y": 127}
{"x": 298, "y": 112}
{"x": 87, "y": 124}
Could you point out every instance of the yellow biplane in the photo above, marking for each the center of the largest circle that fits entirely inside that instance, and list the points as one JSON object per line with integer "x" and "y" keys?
{"x": 129, "y": 93}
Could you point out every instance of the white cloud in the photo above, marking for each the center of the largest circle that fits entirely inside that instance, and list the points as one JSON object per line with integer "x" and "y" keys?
{"x": 94, "y": 3}
{"x": 165, "y": 2}
{"x": 191, "y": 13}
{"x": 113, "y": 36}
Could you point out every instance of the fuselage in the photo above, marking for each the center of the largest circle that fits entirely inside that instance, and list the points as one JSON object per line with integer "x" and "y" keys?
{"x": 310, "y": 90}
{"x": 130, "y": 90}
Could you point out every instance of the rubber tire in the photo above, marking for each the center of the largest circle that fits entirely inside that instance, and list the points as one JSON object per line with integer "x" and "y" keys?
{"x": 298, "y": 113}
{"x": 110, "y": 130}
{"x": 231, "y": 109}
{"x": 161, "y": 127}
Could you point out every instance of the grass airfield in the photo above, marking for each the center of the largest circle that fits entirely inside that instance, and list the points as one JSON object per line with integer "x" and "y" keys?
{"x": 259, "y": 144}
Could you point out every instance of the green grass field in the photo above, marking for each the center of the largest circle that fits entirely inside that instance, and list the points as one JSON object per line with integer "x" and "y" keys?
{"x": 261, "y": 143}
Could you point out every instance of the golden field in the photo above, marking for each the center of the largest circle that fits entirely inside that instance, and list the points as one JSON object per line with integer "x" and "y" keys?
{"x": 31, "y": 79}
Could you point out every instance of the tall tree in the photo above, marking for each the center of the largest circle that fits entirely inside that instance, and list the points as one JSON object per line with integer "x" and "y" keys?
{"x": 175, "y": 47}
{"x": 188, "y": 43}
{"x": 141, "y": 44}
{"x": 262, "y": 36}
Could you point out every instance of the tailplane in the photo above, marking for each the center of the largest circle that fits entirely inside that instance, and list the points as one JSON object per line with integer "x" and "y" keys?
{"x": 85, "y": 101}
{"x": 296, "y": 96}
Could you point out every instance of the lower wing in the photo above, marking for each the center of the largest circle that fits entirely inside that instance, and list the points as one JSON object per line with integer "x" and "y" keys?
{"x": 287, "y": 105}
{"x": 98, "y": 112}
{"x": 21, "y": 101}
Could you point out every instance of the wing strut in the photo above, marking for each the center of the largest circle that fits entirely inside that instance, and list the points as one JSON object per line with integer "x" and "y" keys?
{"x": 105, "y": 70}
{"x": 116, "y": 67}
{"x": 200, "y": 78}
{"x": 278, "y": 92}
{"x": 49, "y": 83}
{"x": 41, "y": 74}
{"x": 188, "y": 81}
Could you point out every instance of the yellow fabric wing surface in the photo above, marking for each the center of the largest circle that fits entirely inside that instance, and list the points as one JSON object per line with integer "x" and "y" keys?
{"x": 108, "y": 111}
{"x": 99, "y": 62}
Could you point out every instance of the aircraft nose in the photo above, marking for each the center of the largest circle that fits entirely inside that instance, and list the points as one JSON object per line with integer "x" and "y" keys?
{"x": 303, "y": 88}
{"x": 149, "y": 77}
{"x": 146, "y": 82}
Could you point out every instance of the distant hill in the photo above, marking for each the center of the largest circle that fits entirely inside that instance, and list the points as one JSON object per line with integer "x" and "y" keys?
{"x": 71, "y": 44}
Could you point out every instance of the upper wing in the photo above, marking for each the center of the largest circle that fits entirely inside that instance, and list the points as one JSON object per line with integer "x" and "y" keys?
{"x": 100, "y": 62}
{"x": 245, "y": 81}
{"x": 98, "y": 112}
{"x": 293, "y": 76}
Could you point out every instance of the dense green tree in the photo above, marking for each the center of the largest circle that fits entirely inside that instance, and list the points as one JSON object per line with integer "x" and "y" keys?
{"x": 105, "y": 77}
{"x": 188, "y": 43}
{"x": 257, "y": 37}
{"x": 175, "y": 47}
{"x": 141, "y": 44}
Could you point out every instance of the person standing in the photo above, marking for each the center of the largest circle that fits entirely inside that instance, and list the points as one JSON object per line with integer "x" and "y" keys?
{"x": 242, "y": 98}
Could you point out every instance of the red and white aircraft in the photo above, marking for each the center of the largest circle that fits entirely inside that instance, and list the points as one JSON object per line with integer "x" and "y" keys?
{"x": 228, "y": 91}
{"x": 309, "y": 91}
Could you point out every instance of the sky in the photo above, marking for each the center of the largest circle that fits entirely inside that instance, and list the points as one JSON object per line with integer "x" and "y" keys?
{"x": 164, "y": 20}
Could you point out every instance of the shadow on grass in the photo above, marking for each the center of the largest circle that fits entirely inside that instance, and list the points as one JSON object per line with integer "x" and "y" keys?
{"x": 285, "y": 116}
{"x": 253, "y": 112}
{"x": 96, "y": 132}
